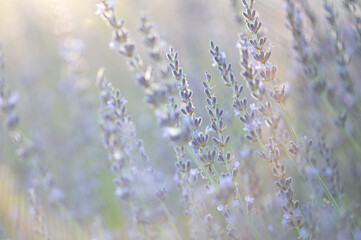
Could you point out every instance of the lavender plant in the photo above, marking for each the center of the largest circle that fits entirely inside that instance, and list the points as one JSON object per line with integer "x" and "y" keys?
{"x": 39, "y": 226}
{"x": 263, "y": 148}
{"x": 128, "y": 159}
{"x": 28, "y": 152}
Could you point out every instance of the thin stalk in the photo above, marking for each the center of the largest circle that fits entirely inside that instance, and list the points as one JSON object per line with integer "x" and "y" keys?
{"x": 329, "y": 195}
{"x": 297, "y": 165}
{"x": 212, "y": 165}
{"x": 239, "y": 199}
{"x": 288, "y": 122}
{"x": 215, "y": 171}
{"x": 352, "y": 140}
{"x": 319, "y": 179}
{"x": 256, "y": 232}
{"x": 224, "y": 154}
{"x": 350, "y": 137}
{"x": 355, "y": 124}
{"x": 174, "y": 227}
{"x": 230, "y": 174}
{"x": 291, "y": 157}
{"x": 58, "y": 203}
{"x": 200, "y": 165}
{"x": 132, "y": 209}
{"x": 357, "y": 102}
{"x": 261, "y": 144}
{"x": 299, "y": 209}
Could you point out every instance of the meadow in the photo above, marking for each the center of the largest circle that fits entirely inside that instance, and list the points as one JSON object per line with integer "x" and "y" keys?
{"x": 135, "y": 119}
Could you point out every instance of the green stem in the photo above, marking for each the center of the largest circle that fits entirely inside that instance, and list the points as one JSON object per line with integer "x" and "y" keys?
{"x": 264, "y": 149}
{"x": 288, "y": 122}
{"x": 211, "y": 165}
{"x": 291, "y": 157}
{"x": 319, "y": 179}
{"x": 174, "y": 227}
{"x": 261, "y": 144}
{"x": 57, "y": 202}
{"x": 215, "y": 171}
{"x": 200, "y": 165}
{"x": 355, "y": 124}
{"x": 353, "y": 142}
{"x": 350, "y": 137}
{"x": 244, "y": 209}
{"x": 329, "y": 195}
{"x": 357, "y": 102}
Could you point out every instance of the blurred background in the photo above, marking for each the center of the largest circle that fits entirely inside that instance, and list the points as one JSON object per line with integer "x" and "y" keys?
{"x": 49, "y": 43}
